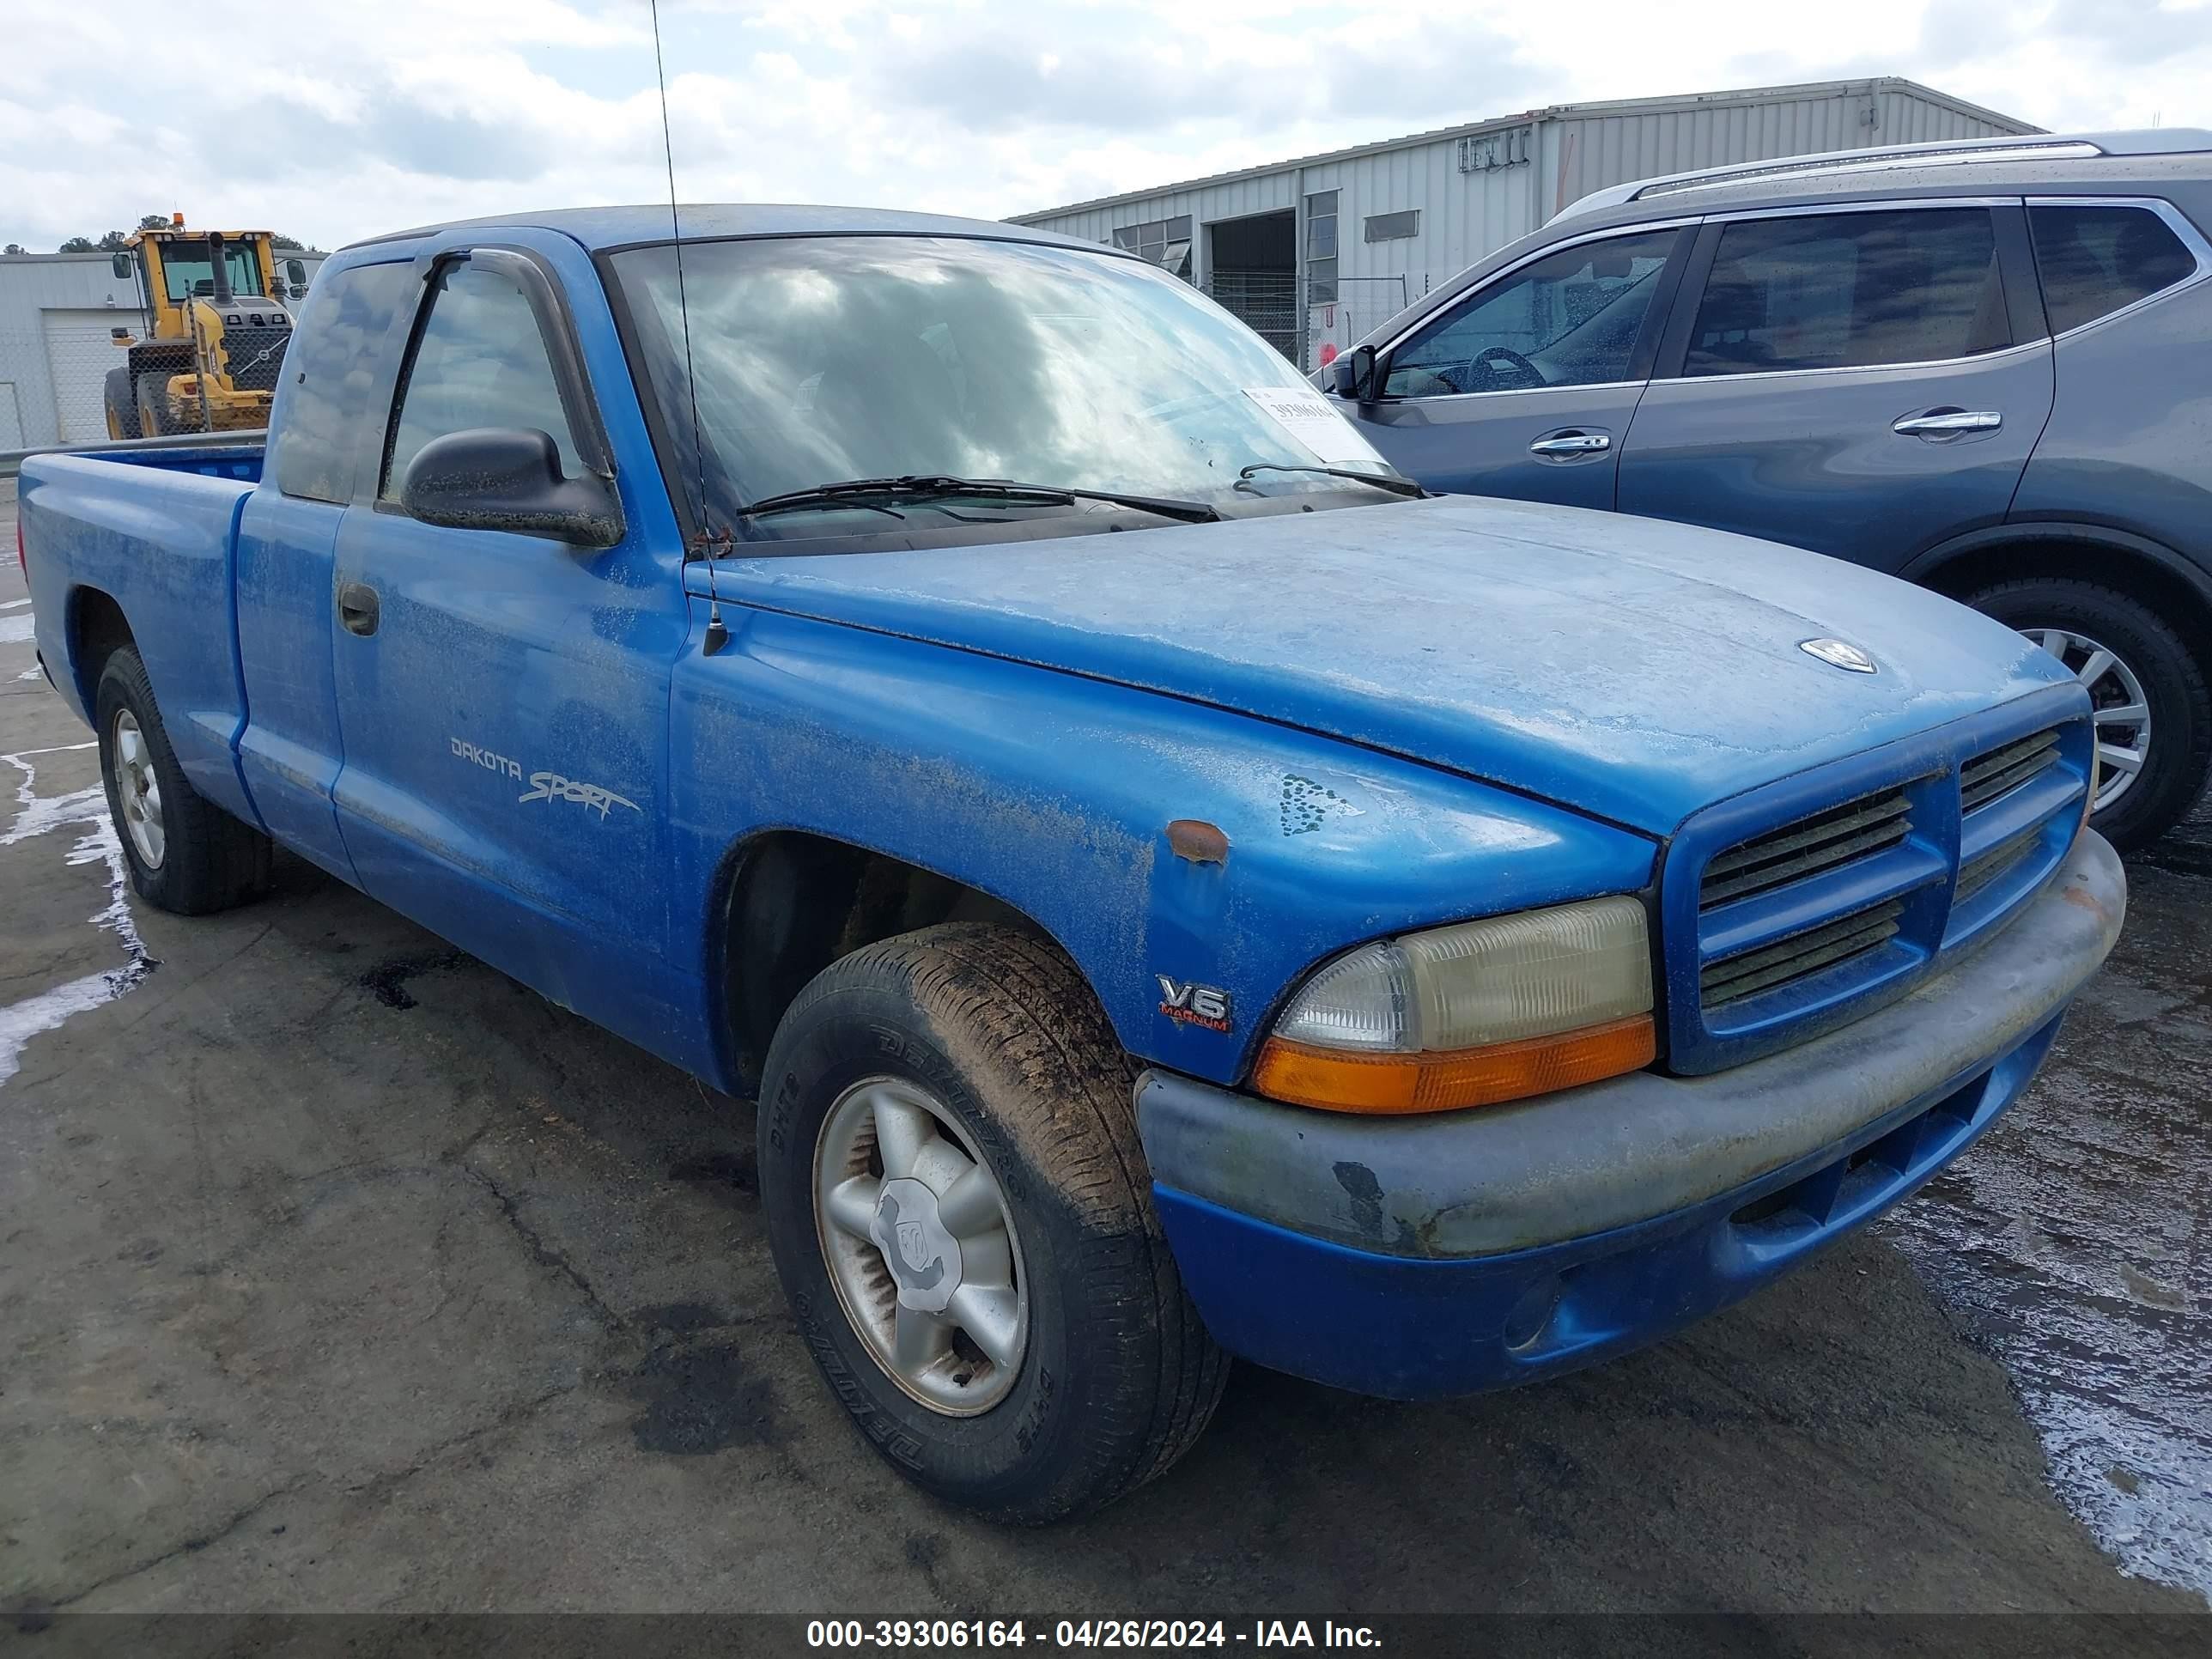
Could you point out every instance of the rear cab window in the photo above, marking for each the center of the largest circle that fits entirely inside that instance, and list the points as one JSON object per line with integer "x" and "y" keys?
{"x": 331, "y": 366}
{"x": 1850, "y": 290}
{"x": 2095, "y": 258}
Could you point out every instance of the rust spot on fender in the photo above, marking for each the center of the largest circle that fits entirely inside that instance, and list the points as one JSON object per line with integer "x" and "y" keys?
{"x": 1198, "y": 840}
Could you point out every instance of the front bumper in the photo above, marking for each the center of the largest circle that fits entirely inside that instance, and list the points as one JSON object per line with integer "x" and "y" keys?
{"x": 1447, "y": 1254}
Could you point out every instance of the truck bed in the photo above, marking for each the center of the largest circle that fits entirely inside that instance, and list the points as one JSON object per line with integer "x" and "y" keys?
{"x": 157, "y": 530}
{"x": 241, "y": 462}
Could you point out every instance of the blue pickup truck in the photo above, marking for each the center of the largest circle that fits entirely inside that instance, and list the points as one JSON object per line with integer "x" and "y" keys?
{"x": 1173, "y": 890}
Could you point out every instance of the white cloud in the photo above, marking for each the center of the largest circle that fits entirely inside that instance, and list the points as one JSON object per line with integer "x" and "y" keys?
{"x": 346, "y": 120}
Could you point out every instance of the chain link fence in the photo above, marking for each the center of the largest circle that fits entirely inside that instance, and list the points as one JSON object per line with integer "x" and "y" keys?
{"x": 1357, "y": 307}
{"x": 52, "y": 375}
{"x": 56, "y": 382}
{"x": 1265, "y": 300}
{"x": 1338, "y": 314}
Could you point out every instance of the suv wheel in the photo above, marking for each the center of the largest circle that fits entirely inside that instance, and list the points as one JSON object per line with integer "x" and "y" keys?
{"x": 959, "y": 1213}
{"x": 2153, "y": 709}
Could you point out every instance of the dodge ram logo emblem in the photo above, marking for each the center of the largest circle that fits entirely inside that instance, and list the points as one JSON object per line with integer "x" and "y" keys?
{"x": 1836, "y": 654}
{"x": 913, "y": 1245}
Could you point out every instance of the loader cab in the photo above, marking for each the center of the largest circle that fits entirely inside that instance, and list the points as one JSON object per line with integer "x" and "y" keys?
{"x": 175, "y": 267}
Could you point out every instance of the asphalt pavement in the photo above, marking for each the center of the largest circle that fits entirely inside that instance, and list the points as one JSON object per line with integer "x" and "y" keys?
{"x": 339, "y": 1272}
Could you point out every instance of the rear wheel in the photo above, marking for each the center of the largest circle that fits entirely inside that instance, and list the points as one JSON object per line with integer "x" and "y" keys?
{"x": 120, "y": 400}
{"x": 186, "y": 854}
{"x": 2152, "y": 706}
{"x": 958, "y": 1209}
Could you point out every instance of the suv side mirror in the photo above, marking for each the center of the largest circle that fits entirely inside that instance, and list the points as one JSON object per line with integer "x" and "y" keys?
{"x": 1355, "y": 374}
{"x": 506, "y": 477}
{"x": 120, "y": 265}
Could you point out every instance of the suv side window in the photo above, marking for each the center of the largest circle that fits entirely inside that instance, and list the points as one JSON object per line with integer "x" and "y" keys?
{"x": 479, "y": 360}
{"x": 331, "y": 366}
{"x": 1569, "y": 319}
{"x": 2093, "y": 260}
{"x": 1851, "y": 290}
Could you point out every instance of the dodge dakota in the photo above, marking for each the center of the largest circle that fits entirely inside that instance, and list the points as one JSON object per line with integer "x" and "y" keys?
{"x": 1173, "y": 890}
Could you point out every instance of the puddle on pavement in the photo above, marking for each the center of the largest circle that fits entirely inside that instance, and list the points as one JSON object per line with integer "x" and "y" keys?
{"x": 2072, "y": 1239}
{"x": 86, "y": 810}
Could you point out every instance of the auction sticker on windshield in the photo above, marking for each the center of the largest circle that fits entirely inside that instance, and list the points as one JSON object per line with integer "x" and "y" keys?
{"x": 1308, "y": 417}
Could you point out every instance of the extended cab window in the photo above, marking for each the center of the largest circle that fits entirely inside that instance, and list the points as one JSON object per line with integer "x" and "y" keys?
{"x": 2093, "y": 260}
{"x": 331, "y": 366}
{"x": 1570, "y": 318}
{"x": 479, "y": 360}
{"x": 1851, "y": 290}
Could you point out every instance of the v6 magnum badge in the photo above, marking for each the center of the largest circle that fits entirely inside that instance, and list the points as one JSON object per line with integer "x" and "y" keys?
{"x": 1192, "y": 1004}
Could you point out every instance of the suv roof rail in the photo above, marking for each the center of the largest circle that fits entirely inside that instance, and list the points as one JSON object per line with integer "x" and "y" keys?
{"x": 2040, "y": 147}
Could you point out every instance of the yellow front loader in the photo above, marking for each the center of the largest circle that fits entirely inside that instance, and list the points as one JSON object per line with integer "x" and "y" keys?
{"x": 215, "y": 334}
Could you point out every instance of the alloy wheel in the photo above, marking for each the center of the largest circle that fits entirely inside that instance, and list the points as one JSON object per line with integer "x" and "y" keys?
{"x": 921, "y": 1246}
{"x": 138, "y": 790}
{"x": 2120, "y": 708}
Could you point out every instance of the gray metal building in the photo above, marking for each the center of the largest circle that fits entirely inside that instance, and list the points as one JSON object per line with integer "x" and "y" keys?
{"x": 56, "y": 312}
{"x": 1325, "y": 247}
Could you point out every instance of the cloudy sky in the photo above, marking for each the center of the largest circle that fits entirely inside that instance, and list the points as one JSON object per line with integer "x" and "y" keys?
{"x": 339, "y": 118}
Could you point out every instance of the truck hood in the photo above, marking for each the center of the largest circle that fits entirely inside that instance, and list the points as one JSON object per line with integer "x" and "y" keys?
{"x": 1630, "y": 668}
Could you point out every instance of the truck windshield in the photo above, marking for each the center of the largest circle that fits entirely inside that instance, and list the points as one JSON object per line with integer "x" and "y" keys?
{"x": 821, "y": 358}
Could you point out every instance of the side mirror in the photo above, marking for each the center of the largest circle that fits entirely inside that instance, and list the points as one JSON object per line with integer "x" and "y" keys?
{"x": 295, "y": 272}
{"x": 1355, "y": 374}
{"x": 505, "y": 477}
{"x": 120, "y": 265}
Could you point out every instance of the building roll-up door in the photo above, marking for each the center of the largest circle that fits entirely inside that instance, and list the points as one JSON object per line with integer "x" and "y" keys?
{"x": 80, "y": 350}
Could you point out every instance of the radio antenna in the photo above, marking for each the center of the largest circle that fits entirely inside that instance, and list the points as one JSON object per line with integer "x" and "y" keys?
{"x": 703, "y": 545}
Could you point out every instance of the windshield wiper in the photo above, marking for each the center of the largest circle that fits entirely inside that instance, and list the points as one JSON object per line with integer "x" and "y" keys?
{"x": 1396, "y": 486}
{"x": 920, "y": 487}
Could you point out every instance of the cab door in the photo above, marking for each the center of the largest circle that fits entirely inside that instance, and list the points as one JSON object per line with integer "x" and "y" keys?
{"x": 1865, "y": 382}
{"x": 1525, "y": 386}
{"x": 503, "y": 698}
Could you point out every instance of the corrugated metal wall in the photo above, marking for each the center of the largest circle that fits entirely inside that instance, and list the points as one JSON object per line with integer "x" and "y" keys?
{"x": 1267, "y": 193}
{"x": 1589, "y": 154}
{"x": 1467, "y": 217}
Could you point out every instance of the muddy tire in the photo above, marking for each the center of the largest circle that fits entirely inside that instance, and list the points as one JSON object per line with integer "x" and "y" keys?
{"x": 2130, "y": 658}
{"x": 120, "y": 400}
{"x": 186, "y": 854}
{"x": 1028, "y": 1377}
{"x": 155, "y": 419}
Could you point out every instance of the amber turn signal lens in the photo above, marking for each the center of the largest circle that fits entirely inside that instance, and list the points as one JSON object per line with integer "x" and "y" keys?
{"x": 1338, "y": 1081}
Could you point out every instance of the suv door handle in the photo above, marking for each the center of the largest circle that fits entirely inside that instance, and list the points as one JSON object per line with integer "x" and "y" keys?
{"x": 358, "y": 608}
{"x": 1947, "y": 422}
{"x": 1572, "y": 443}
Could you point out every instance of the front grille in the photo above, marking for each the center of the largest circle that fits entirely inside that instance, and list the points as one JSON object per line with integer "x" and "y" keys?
{"x": 252, "y": 357}
{"x": 1826, "y": 841}
{"x": 1995, "y": 864}
{"x": 1986, "y": 778}
{"x": 1795, "y": 907}
{"x": 1799, "y": 956}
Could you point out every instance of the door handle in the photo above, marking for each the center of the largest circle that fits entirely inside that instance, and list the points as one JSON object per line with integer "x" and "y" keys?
{"x": 1947, "y": 422}
{"x": 1572, "y": 443}
{"x": 358, "y": 608}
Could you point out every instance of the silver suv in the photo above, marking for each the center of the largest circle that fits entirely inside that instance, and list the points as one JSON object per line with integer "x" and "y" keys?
{"x": 1984, "y": 367}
